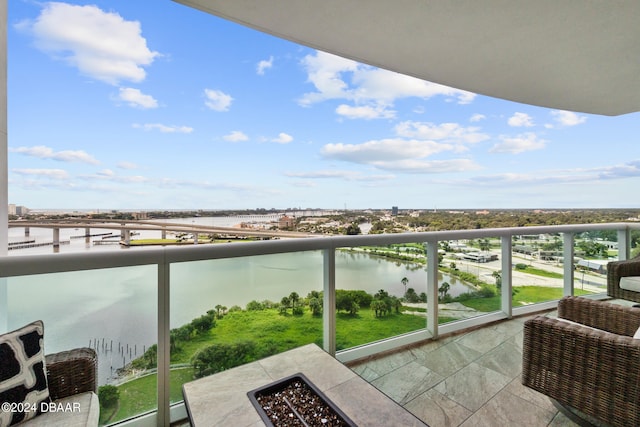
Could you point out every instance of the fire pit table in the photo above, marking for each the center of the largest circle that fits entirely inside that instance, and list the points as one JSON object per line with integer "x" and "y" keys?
{"x": 226, "y": 397}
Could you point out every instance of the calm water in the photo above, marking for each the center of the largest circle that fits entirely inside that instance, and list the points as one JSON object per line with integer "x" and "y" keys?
{"x": 119, "y": 305}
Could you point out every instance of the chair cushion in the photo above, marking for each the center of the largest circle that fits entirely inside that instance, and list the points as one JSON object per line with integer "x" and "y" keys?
{"x": 23, "y": 379}
{"x": 630, "y": 283}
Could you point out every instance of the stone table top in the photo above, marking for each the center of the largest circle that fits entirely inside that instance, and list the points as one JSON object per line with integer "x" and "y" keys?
{"x": 221, "y": 399}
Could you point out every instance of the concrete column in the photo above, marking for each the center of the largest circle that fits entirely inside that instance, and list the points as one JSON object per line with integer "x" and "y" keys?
{"x": 56, "y": 237}
{"x": 87, "y": 235}
{"x": 26, "y": 232}
{"x": 164, "y": 233}
{"x": 56, "y": 240}
{"x": 195, "y": 238}
{"x": 126, "y": 237}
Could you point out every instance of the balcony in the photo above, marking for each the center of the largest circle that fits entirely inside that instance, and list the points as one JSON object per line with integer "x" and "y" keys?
{"x": 75, "y": 293}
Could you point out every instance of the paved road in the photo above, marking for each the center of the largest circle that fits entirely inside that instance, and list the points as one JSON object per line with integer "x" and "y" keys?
{"x": 588, "y": 281}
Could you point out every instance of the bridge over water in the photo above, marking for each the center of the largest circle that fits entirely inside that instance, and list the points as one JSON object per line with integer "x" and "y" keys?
{"x": 127, "y": 226}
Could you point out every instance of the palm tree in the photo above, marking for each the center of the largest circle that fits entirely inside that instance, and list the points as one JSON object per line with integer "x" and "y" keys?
{"x": 404, "y": 282}
{"x": 294, "y": 298}
{"x": 443, "y": 289}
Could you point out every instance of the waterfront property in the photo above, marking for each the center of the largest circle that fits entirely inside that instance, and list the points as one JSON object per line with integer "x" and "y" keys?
{"x": 164, "y": 272}
{"x": 597, "y": 76}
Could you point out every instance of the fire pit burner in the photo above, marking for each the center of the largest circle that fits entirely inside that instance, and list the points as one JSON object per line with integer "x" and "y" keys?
{"x": 295, "y": 401}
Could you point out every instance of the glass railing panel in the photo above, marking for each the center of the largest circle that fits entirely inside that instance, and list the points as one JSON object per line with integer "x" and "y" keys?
{"x": 537, "y": 268}
{"x": 593, "y": 250}
{"x": 233, "y": 311}
{"x": 113, "y": 311}
{"x": 380, "y": 292}
{"x": 469, "y": 278}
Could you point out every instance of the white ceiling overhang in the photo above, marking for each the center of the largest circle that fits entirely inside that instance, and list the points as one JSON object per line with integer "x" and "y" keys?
{"x": 578, "y": 55}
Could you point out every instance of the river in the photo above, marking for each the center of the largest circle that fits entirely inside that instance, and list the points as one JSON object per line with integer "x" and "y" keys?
{"x": 117, "y": 306}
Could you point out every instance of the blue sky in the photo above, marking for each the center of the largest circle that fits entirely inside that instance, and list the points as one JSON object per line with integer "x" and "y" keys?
{"x": 119, "y": 105}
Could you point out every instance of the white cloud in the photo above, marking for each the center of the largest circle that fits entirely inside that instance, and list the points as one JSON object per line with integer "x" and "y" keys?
{"x": 217, "y": 100}
{"x": 44, "y": 152}
{"x": 163, "y": 128}
{"x": 338, "y": 174}
{"x": 428, "y": 166}
{"x": 630, "y": 169}
{"x": 127, "y": 165}
{"x": 338, "y": 78}
{"x": 109, "y": 175}
{"x": 102, "y": 45}
{"x": 566, "y": 118}
{"x": 383, "y": 150}
{"x": 264, "y": 65}
{"x": 477, "y": 117}
{"x": 322, "y": 174}
{"x": 283, "y": 138}
{"x": 236, "y": 136}
{"x": 135, "y": 98}
{"x": 106, "y": 172}
{"x": 449, "y": 132}
{"x": 520, "y": 120}
{"x": 366, "y": 112}
{"x": 47, "y": 173}
{"x": 525, "y": 142}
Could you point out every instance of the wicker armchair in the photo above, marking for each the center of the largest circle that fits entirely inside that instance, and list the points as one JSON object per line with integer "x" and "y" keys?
{"x": 71, "y": 372}
{"x": 596, "y": 371}
{"x": 618, "y": 269}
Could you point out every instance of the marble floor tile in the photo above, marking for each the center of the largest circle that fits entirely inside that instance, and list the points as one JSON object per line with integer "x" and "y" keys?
{"x": 516, "y": 387}
{"x": 438, "y": 410}
{"x": 483, "y": 340}
{"x": 505, "y": 359}
{"x": 447, "y": 359}
{"x": 384, "y": 364}
{"x": 507, "y": 409}
{"x": 561, "y": 420}
{"x": 407, "y": 382}
{"x": 473, "y": 386}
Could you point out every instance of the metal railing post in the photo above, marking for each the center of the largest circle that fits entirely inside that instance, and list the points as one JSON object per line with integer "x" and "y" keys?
{"x": 624, "y": 244}
{"x": 506, "y": 276}
{"x": 432, "y": 288}
{"x": 329, "y": 301}
{"x": 164, "y": 344}
{"x": 567, "y": 255}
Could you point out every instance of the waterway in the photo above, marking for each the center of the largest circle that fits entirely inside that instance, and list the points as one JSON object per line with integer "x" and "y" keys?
{"x": 115, "y": 309}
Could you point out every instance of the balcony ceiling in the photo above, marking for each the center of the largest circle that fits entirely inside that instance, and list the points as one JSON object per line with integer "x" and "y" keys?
{"x": 578, "y": 55}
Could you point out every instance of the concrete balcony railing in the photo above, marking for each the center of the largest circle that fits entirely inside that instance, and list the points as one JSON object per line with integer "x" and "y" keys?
{"x": 155, "y": 268}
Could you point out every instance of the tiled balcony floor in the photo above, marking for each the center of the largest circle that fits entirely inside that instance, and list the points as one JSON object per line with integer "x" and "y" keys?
{"x": 468, "y": 379}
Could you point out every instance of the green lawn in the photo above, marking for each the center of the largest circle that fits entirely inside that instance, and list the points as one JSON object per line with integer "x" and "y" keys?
{"x": 275, "y": 333}
{"x": 525, "y": 295}
{"x": 541, "y": 272}
{"x": 139, "y": 395}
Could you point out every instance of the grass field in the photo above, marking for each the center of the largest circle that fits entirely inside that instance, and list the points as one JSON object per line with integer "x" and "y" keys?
{"x": 275, "y": 333}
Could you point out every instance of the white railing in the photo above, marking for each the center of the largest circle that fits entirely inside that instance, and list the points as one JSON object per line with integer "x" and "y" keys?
{"x": 163, "y": 258}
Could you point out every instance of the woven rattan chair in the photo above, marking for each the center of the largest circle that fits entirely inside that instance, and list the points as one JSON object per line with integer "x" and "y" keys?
{"x": 594, "y": 371}
{"x": 617, "y": 270}
{"x": 71, "y": 372}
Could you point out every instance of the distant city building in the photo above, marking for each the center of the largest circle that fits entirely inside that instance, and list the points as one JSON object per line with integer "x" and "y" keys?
{"x": 286, "y": 222}
{"x": 394, "y": 210}
{"x": 140, "y": 215}
{"x": 18, "y": 210}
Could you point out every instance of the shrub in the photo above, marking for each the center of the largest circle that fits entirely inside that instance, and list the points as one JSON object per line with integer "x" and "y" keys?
{"x": 218, "y": 357}
{"x": 108, "y": 395}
